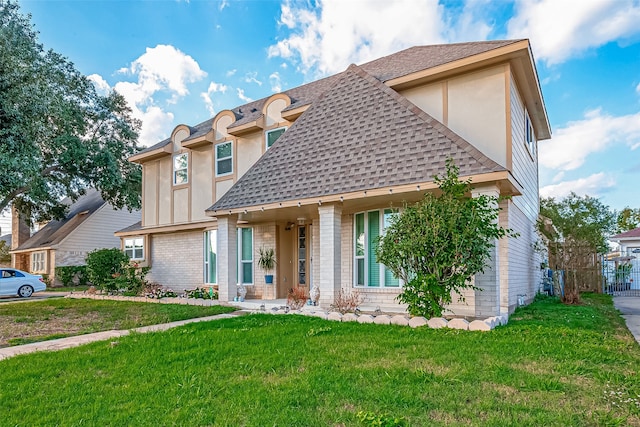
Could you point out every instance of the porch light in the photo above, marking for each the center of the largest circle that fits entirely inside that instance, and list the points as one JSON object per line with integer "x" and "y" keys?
{"x": 301, "y": 220}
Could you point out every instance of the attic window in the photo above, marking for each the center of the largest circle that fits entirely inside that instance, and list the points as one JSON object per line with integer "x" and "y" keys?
{"x": 272, "y": 135}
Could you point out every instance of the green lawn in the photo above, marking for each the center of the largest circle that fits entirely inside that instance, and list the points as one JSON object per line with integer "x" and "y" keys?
{"x": 41, "y": 320}
{"x": 553, "y": 365}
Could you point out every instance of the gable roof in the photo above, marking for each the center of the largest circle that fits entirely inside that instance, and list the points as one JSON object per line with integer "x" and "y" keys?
{"x": 359, "y": 135}
{"x": 631, "y": 234}
{"x": 55, "y": 231}
{"x": 392, "y": 66}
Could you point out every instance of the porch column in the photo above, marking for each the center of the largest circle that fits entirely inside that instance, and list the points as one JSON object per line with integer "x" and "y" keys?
{"x": 330, "y": 253}
{"x": 227, "y": 257}
{"x": 487, "y": 301}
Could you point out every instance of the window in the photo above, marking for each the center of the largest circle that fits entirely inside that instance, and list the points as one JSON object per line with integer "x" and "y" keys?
{"x": 272, "y": 135}
{"x": 38, "y": 263}
{"x": 180, "y": 173}
{"x": 210, "y": 258}
{"x": 134, "y": 247}
{"x": 245, "y": 256}
{"x": 530, "y": 137}
{"x": 224, "y": 158}
{"x": 367, "y": 271}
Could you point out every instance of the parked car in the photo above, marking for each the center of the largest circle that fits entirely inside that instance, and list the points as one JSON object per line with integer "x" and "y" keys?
{"x": 20, "y": 283}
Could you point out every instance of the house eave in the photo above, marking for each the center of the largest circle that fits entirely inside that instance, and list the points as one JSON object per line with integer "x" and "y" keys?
{"x": 503, "y": 179}
{"x": 151, "y": 155}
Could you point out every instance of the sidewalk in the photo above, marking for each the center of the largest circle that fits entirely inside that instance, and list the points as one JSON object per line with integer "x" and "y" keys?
{"x": 630, "y": 309}
{"x": 62, "y": 343}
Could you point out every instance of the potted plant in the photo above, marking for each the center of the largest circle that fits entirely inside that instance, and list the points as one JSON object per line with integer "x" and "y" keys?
{"x": 267, "y": 262}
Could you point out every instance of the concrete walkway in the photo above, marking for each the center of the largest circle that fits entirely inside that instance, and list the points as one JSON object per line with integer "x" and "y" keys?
{"x": 62, "y": 343}
{"x": 630, "y": 309}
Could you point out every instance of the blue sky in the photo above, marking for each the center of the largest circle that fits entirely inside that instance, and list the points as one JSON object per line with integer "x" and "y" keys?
{"x": 183, "y": 61}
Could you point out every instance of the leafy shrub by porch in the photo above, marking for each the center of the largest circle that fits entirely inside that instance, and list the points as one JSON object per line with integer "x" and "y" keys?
{"x": 110, "y": 270}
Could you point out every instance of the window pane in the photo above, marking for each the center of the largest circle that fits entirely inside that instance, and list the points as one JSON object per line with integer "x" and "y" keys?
{"x": 360, "y": 272}
{"x": 374, "y": 232}
{"x": 247, "y": 244}
{"x": 273, "y": 136}
{"x": 225, "y": 166}
{"x": 223, "y": 150}
{"x": 138, "y": 243}
{"x": 180, "y": 162}
{"x": 390, "y": 280}
{"x": 247, "y": 272}
{"x": 359, "y": 234}
{"x": 211, "y": 237}
{"x": 129, "y": 252}
{"x": 180, "y": 177}
{"x": 137, "y": 253}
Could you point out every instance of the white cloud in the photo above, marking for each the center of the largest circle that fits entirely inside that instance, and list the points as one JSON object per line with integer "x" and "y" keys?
{"x": 571, "y": 145}
{"x": 162, "y": 70}
{"x": 231, "y": 72}
{"x": 638, "y": 88}
{"x": 276, "y": 85}
{"x": 242, "y": 96}
{"x": 165, "y": 67}
{"x": 592, "y": 185}
{"x": 101, "y": 85}
{"x": 222, "y": 5}
{"x": 562, "y": 29}
{"x": 329, "y": 36}
{"x": 206, "y": 96}
{"x": 252, "y": 78}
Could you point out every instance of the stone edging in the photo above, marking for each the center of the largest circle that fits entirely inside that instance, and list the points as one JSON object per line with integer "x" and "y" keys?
{"x": 382, "y": 319}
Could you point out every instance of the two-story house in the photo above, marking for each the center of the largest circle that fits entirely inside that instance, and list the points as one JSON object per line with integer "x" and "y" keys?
{"x": 314, "y": 172}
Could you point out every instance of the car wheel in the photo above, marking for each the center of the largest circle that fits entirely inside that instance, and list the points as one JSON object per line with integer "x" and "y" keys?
{"x": 25, "y": 291}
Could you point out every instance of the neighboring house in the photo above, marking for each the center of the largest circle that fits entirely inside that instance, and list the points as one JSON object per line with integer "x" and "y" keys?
{"x": 350, "y": 148}
{"x": 7, "y": 244}
{"x": 629, "y": 242}
{"x": 89, "y": 225}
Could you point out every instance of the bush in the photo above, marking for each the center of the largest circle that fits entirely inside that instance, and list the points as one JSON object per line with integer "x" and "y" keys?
{"x": 203, "y": 293}
{"x": 297, "y": 298}
{"x": 131, "y": 280}
{"x": 103, "y": 265}
{"x": 73, "y": 275}
{"x": 347, "y": 302}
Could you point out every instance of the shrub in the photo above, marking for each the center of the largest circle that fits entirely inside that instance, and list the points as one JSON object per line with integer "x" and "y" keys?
{"x": 103, "y": 265}
{"x": 378, "y": 420}
{"x": 203, "y": 293}
{"x": 297, "y": 298}
{"x": 346, "y": 301}
{"x": 131, "y": 280}
{"x": 73, "y": 275}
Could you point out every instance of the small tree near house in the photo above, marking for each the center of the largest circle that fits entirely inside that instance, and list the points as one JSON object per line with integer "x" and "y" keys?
{"x": 437, "y": 245}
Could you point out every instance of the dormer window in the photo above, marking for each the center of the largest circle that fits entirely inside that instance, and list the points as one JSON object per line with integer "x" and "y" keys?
{"x": 272, "y": 135}
{"x": 224, "y": 158}
{"x": 180, "y": 166}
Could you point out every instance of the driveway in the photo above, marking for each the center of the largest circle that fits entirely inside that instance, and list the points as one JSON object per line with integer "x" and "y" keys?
{"x": 630, "y": 309}
{"x": 34, "y": 297}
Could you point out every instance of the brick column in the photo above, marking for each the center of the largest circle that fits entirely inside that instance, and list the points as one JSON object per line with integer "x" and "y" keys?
{"x": 487, "y": 301}
{"x": 227, "y": 257}
{"x": 330, "y": 253}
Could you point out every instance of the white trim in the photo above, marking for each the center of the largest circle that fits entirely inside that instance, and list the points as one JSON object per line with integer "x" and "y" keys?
{"x": 266, "y": 136}
{"x": 185, "y": 169}
{"x": 216, "y": 159}
{"x": 43, "y": 261}
{"x": 241, "y": 262}
{"x": 134, "y": 247}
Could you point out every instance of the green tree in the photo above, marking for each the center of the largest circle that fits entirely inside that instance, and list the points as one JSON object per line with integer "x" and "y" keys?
{"x": 628, "y": 219}
{"x": 577, "y": 233}
{"x": 5, "y": 256}
{"x": 437, "y": 245}
{"x": 58, "y": 136}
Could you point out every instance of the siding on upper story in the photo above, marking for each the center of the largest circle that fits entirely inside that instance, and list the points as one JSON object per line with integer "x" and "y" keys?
{"x": 96, "y": 232}
{"x": 472, "y": 105}
{"x": 524, "y": 162}
{"x": 165, "y": 203}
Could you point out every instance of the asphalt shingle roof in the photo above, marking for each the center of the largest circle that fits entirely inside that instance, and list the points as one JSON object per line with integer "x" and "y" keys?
{"x": 396, "y": 65}
{"x": 631, "y": 233}
{"x": 359, "y": 135}
{"x": 53, "y": 233}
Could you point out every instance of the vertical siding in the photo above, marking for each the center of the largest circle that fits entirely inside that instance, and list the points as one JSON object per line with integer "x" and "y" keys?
{"x": 95, "y": 232}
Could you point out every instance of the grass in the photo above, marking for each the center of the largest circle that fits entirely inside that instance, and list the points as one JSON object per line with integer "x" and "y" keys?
{"x": 552, "y": 365}
{"x": 26, "y": 322}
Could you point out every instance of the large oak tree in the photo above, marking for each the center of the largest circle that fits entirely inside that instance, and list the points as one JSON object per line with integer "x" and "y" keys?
{"x": 58, "y": 136}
